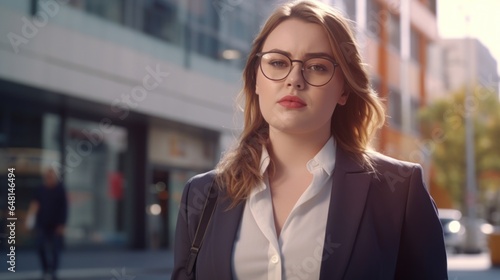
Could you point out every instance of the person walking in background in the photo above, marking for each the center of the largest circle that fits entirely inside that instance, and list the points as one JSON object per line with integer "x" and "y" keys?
{"x": 49, "y": 207}
{"x": 302, "y": 195}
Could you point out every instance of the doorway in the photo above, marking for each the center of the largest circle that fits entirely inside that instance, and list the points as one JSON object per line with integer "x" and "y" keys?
{"x": 158, "y": 210}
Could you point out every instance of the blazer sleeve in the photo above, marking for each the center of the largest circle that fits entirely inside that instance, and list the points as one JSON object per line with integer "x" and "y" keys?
{"x": 191, "y": 206}
{"x": 422, "y": 253}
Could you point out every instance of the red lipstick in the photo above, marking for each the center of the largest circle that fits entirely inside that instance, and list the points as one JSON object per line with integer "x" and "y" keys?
{"x": 292, "y": 102}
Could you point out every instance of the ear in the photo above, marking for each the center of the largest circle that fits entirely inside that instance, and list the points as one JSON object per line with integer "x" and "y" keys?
{"x": 343, "y": 98}
{"x": 256, "y": 89}
{"x": 345, "y": 94}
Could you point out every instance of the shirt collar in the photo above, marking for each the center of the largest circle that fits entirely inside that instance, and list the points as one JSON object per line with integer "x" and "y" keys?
{"x": 264, "y": 163}
{"x": 324, "y": 159}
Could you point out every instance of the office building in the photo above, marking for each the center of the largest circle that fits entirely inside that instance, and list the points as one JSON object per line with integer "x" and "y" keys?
{"x": 126, "y": 99}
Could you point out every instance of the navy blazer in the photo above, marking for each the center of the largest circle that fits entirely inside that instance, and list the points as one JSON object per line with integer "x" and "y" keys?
{"x": 381, "y": 225}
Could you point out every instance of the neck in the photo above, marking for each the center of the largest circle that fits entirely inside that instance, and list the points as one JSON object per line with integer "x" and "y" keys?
{"x": 291, "y": 152}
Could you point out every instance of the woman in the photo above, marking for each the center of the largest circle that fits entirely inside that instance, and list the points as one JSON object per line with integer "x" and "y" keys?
{"x": 302, "y": 196}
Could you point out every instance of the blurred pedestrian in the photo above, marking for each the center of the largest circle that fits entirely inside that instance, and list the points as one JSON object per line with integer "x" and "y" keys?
{"x": 49, "y": 207}
{"x": 302, "y": 195}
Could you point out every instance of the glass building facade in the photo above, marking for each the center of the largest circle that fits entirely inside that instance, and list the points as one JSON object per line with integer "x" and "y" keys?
{"x": 207, "y": 28}
{"x": 123, "y": 164}
{"x": 121, "y": 192}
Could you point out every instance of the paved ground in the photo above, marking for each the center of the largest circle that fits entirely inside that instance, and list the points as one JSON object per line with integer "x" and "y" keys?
{"x": 472, "y": 267}
{"x": 156, "y": 265}
{"x": 96, "y": 265}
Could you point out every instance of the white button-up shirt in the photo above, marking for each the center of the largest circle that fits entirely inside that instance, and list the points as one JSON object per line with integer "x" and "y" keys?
{"x": 297, "y": 253}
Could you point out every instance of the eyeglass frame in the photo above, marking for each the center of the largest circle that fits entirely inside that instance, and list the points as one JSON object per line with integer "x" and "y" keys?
{"x": 261, "y": 54}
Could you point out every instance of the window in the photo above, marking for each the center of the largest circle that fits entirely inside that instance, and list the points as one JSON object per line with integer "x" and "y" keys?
{"x": 236, "y": 32}
{"x": 160, "y": 20}
{"x": 350, "y": 7}
{"x": 395, "y": 114}
{"x": 415, "y": 45}
{"x": 110, "y": 9}
{"x": 375, "y": 18}
{"x": 203, "y": 28}
{"x": 26, "y": 131}
{"x": 95, "y": 184}
{"x": 414, "y": 123}
{"x": 436, "y": 60}
{"x": 394, "y": 31}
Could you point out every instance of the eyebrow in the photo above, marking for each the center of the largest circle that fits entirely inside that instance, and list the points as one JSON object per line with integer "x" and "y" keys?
{"x": 306, "y": 56}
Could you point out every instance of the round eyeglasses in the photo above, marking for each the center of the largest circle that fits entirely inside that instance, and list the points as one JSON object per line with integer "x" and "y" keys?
{"x": 316, "y": 71}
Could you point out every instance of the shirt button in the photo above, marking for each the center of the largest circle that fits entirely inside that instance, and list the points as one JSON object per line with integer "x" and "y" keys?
{"x": 275, "y": 259}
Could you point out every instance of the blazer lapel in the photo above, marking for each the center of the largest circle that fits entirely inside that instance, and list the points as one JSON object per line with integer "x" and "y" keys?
{"x": 350, "y": 188}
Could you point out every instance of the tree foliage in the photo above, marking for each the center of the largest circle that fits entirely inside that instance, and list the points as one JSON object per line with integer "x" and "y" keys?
{"x": 443, "y": 126}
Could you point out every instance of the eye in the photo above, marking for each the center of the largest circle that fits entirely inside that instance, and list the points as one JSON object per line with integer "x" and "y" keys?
{"x": 317, "y": 68}
{"x": 278, "y": 63}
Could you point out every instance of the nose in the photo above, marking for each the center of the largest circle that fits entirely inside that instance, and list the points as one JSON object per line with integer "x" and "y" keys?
{"x": 295, "y": 78}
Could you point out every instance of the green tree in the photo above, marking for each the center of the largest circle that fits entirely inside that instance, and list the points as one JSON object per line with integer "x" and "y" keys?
{"x": 443, "y": 128}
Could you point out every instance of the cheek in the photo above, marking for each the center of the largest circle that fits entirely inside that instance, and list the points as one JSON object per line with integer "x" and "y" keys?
{"x": 257, "y": 84}
{"x": 327, "y": 108}
{"x": 265, "y": 89}
{"x": 260, "y": 83}
{"x": 336, "y": 91}
{"x": 264, "y": 86}
{"x": 329, "y": 100}
{"x": 257, "y": 80}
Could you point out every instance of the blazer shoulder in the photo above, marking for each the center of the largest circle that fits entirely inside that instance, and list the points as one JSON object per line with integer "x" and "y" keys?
{"x": 201, "y": 179}
{"x": 197, "y": 187}
{"x": 193, "y": 199}
{"x": 395, "y": 173}
{"x": 382, "y": 163}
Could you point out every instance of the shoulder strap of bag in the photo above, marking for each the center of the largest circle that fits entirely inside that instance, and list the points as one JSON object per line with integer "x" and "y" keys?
{"x": 206, "y": 216}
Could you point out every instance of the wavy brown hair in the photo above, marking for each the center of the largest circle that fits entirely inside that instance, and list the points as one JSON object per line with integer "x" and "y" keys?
{"x": 353, "y": 125}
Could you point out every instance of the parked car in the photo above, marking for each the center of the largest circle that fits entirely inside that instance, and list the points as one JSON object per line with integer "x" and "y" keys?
{"x": 454, "y": 232}
{"x": 455, "y": 229}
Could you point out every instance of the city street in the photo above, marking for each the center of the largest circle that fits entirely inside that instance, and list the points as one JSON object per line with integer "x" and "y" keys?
{"x": 471, "y": 267}
{"x": 156, "y": 265}
{"x": 96, "y": 265}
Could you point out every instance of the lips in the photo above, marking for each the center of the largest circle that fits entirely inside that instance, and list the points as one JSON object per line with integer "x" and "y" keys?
{"x": 292, "y": 102}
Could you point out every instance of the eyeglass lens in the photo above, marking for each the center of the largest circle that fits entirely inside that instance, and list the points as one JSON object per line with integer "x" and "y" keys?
{"x": 316, "y": 71}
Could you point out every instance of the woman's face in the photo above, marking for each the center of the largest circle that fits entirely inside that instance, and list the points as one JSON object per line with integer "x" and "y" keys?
{"x": 291, "y": 105}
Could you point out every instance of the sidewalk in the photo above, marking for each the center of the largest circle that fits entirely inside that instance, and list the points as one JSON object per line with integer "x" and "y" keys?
{"x": 96, "y": 265}
{"x": 471, "y": 267}
{"x": 156, "y": 265}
